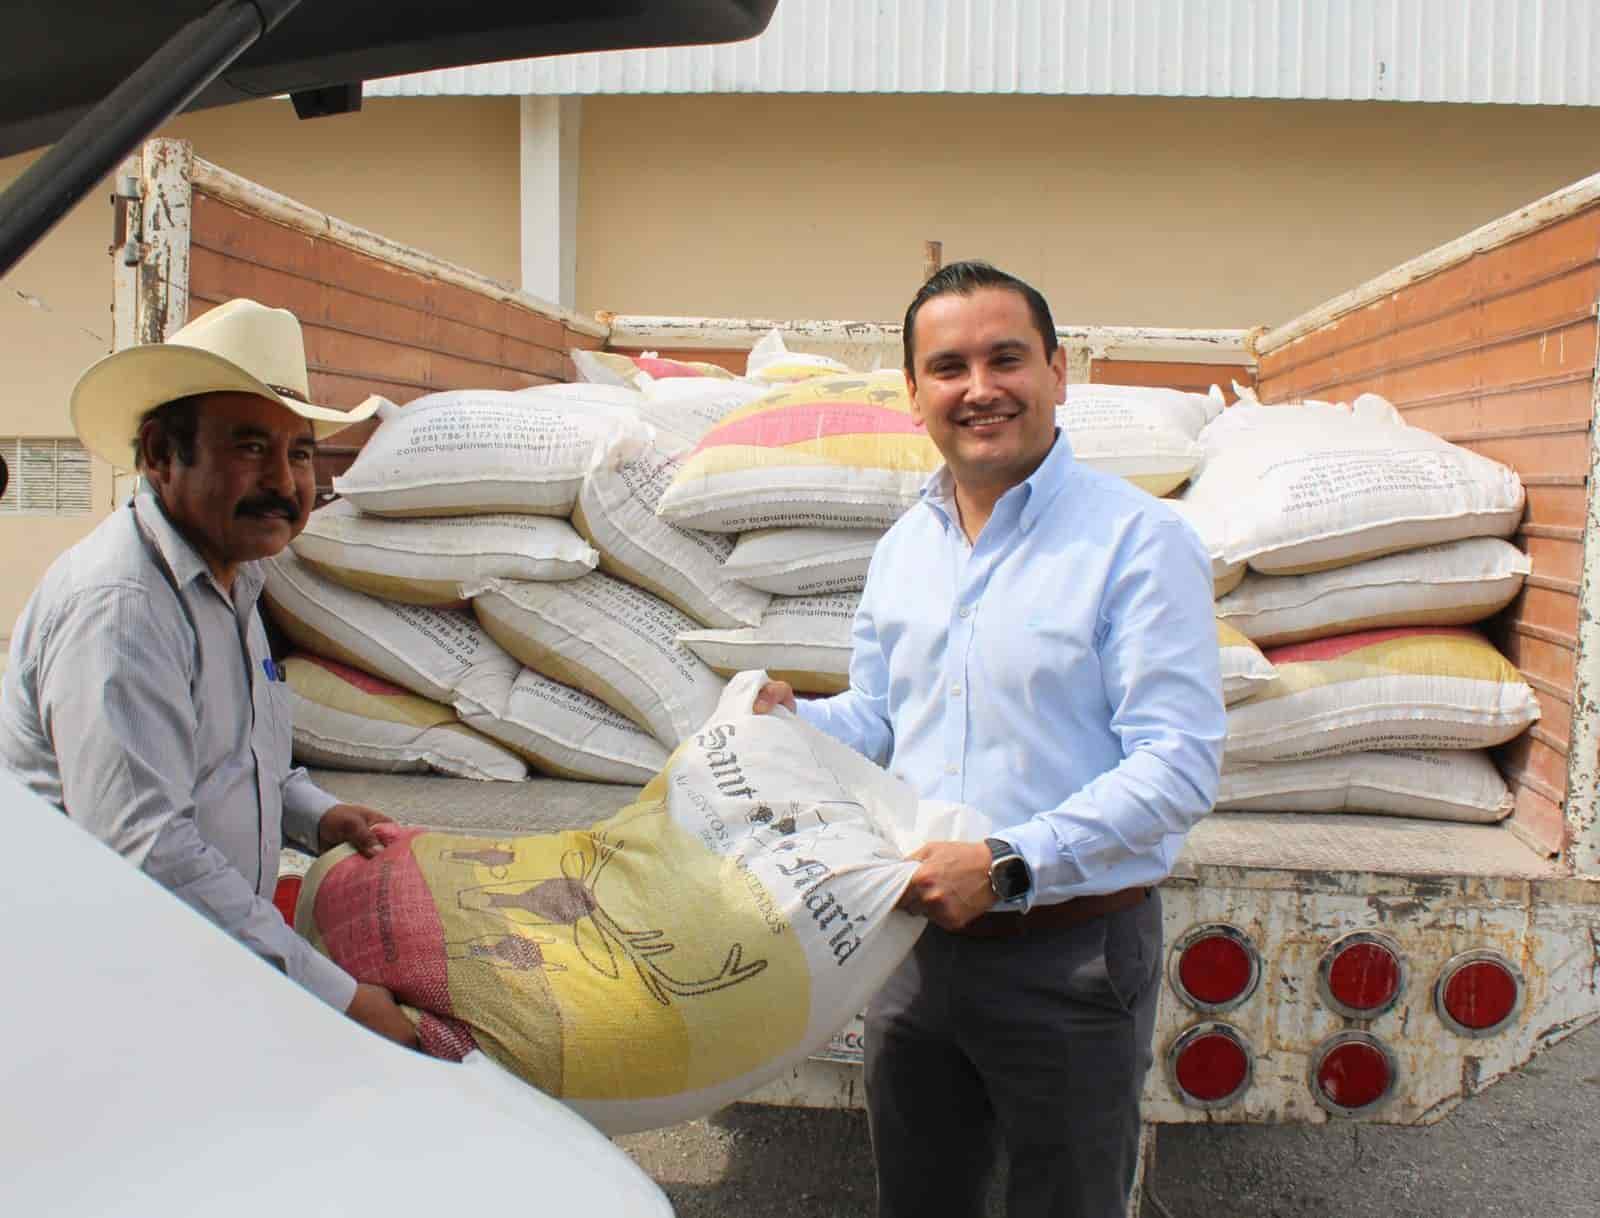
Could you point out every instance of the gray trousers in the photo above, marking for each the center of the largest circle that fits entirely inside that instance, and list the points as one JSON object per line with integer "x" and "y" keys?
{"x": 1038, "y": 1043}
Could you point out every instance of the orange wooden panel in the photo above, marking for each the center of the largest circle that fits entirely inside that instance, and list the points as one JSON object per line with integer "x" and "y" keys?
{"x": 1548, "y": 611}
{"x": 1557, "y": 558}
{"x": 1529, "y": 759}
{"x": 1564, "y": 455}
{"x": 1558, "y": 506}
{"x": 1555, "y": 717}
{"x": 1540, "y": 660}
{"x": 1191, "y": 377}
{"x": 1539, "y": 819}
{"x": 1492, "y": 408}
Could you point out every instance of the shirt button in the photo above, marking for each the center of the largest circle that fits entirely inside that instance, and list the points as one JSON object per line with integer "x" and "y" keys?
{"x": 955, "y": 691}
{"x": 966, "y": 610}
{"x": 952, "y": 769}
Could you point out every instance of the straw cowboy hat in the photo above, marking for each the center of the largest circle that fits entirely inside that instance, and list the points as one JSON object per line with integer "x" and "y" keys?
{"x": 237, "y": 347}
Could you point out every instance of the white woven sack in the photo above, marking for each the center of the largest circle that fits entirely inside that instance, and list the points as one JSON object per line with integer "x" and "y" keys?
{"x": 425, "y": 561}
{"x": 1454, "y": 584}
{"x": 567, "y": 733}
{"x": 441, "y": 654}
{"x": 473, "y": 452}
{"x": 345, "y": 719}
{"x": 682, "y": 409}
{"x": 615, "y": 403}
{"x": 610, "y": 639}
{"x": 804, "y": 640}
{"x": 803, "y": 562}
{"x": 772, "y": 363}
{"x": 1211, "y": 527}
{"x": 1447, "y": 784}
{"x": 616, "y": 511}
{"x": 1407, "y": 688}
{"x": 1145, "y": 435}
{"x": 1245, "y": 671}
{"x": 1306, "y": 488}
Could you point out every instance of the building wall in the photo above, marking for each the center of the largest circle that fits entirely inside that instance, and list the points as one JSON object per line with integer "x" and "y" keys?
{"x": 441, "y": 174}
{"x": 1124, "y": 211}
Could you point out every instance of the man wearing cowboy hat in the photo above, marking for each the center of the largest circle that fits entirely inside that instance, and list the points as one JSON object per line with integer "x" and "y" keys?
{"x": 141, "y": 698}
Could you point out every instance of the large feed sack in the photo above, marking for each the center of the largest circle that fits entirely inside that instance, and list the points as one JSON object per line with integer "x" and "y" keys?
{"x": 474, "y": 452}
{"x": 681, "y": 410}
{"x": 609, "y": 639}
{"x": 1407, "y": 688}
{"x": 833, "y": 452}
{"x": 345, "y": 719}
{"x": 772, "y": 363}
{"x": 567, "y": 733}
{"x": 1146, "y": 435}
{"x": 1245, "y": 671}
{"x": 1454, "y": 584}
{"x": 803, "y": 562}
{"x": 632, "y": 371}
{"x": 441, "y": 654}
{"x": 664, "y": 962}
{"x": 616, "y": 511}
{"x": 804, "y": 640}
{"x": 425, "y": 562}
{"x": 1440, "y": 784}
{"x": 1305, "y": 488}
{"x": 1210, "y": 527}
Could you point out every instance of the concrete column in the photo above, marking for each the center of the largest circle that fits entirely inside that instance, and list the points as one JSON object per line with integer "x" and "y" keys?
{"x": 550, "y": 198}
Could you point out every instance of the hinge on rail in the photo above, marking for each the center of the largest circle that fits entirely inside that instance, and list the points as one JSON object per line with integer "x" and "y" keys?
{"x": 127, "y": 200}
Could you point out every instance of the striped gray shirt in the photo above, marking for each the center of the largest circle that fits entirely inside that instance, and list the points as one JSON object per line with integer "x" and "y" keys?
{"x": 144, "y": 710}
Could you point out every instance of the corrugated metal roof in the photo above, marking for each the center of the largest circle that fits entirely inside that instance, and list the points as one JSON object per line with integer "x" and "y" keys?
{"x": 1536, "y": 52}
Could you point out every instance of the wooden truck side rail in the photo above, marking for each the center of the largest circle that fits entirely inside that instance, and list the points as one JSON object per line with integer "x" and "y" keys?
{"x": 1490, "y": 342}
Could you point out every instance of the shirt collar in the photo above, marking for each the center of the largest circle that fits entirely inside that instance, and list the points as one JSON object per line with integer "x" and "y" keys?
{"x": 182, "y": 559}
{"x": 1038, "y": 490}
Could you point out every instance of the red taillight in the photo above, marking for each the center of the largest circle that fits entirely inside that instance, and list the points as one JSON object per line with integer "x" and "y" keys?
{"x": 1478, "y": 993}
{"x": 1362, "y": 975}
{"x": 1216, "y": 967}
{"x": 1352, "y": 1072}
{"x": 1210, "y": 1065}
{"x": 286, "y": 894}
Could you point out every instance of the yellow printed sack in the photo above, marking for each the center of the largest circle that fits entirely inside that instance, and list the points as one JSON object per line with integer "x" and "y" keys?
{"x": 1245, "y": 671}
{"x": 1409, "y": 688}
{"x": 664, "y": 962}
{"x": 833, "y": 452}
{"x": 345, "y": 719}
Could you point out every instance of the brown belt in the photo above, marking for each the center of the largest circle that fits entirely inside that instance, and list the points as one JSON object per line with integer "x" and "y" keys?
{"x": 1005, "y": 924}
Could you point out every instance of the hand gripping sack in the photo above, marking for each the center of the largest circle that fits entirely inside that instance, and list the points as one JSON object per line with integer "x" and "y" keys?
{"x": 472, "y": 453}
{"x": 1408, "y": 688}
{"x": 345, "y": 719}
{"x": 616, "y": 511}
{"x": 664, "y": 962}
{"x": 833, "y": 452}
{"x": 425, "y": 562}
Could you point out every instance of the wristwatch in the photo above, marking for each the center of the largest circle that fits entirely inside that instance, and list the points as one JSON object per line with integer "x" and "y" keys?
{"x": 1009, "y": 878}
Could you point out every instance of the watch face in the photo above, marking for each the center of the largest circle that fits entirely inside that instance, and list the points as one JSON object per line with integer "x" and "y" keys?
{"x": 1009, "y": 878}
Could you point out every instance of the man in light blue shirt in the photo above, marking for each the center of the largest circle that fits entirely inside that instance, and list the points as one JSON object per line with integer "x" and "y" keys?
{"x": 1037, "y": 640}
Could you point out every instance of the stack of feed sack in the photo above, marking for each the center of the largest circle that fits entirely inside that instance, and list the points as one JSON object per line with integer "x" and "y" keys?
{"x": 1360, "y": 554}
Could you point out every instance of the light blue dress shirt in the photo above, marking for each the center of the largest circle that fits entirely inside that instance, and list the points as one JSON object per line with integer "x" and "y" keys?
{"x": 1060, "y": 675}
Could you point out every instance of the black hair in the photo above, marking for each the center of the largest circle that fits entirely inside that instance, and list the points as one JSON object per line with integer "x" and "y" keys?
{"x": 965, "y": 278}
{"x": 178, "y": 422}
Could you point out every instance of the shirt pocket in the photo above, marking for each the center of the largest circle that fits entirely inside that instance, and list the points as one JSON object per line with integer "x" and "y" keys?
{"x": 278, "y": 745}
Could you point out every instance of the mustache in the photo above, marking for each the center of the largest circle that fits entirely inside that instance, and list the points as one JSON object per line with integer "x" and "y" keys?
{"x": 267, "y": 504}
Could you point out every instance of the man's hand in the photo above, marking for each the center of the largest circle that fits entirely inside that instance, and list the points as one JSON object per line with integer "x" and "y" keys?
{"x": 774, "y": 693}
{"x": 374, "y": 1007}
{"x": 352, "y": 824}
{"x": 951, "y": 888}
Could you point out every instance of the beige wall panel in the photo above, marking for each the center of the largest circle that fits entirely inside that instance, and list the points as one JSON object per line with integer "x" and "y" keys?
{"x": 1125, "y": 211}
{"x": 440, "y": 174}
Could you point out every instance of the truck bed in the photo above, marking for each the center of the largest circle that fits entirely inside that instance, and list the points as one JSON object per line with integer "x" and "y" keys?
{"x": 1294, "y": 842}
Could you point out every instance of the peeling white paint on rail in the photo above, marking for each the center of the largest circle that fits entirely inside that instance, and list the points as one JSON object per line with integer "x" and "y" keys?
{"x": 258, "y": 200}
{"x": 1568, "y": 201}
{"x": 1583, "y": 748}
